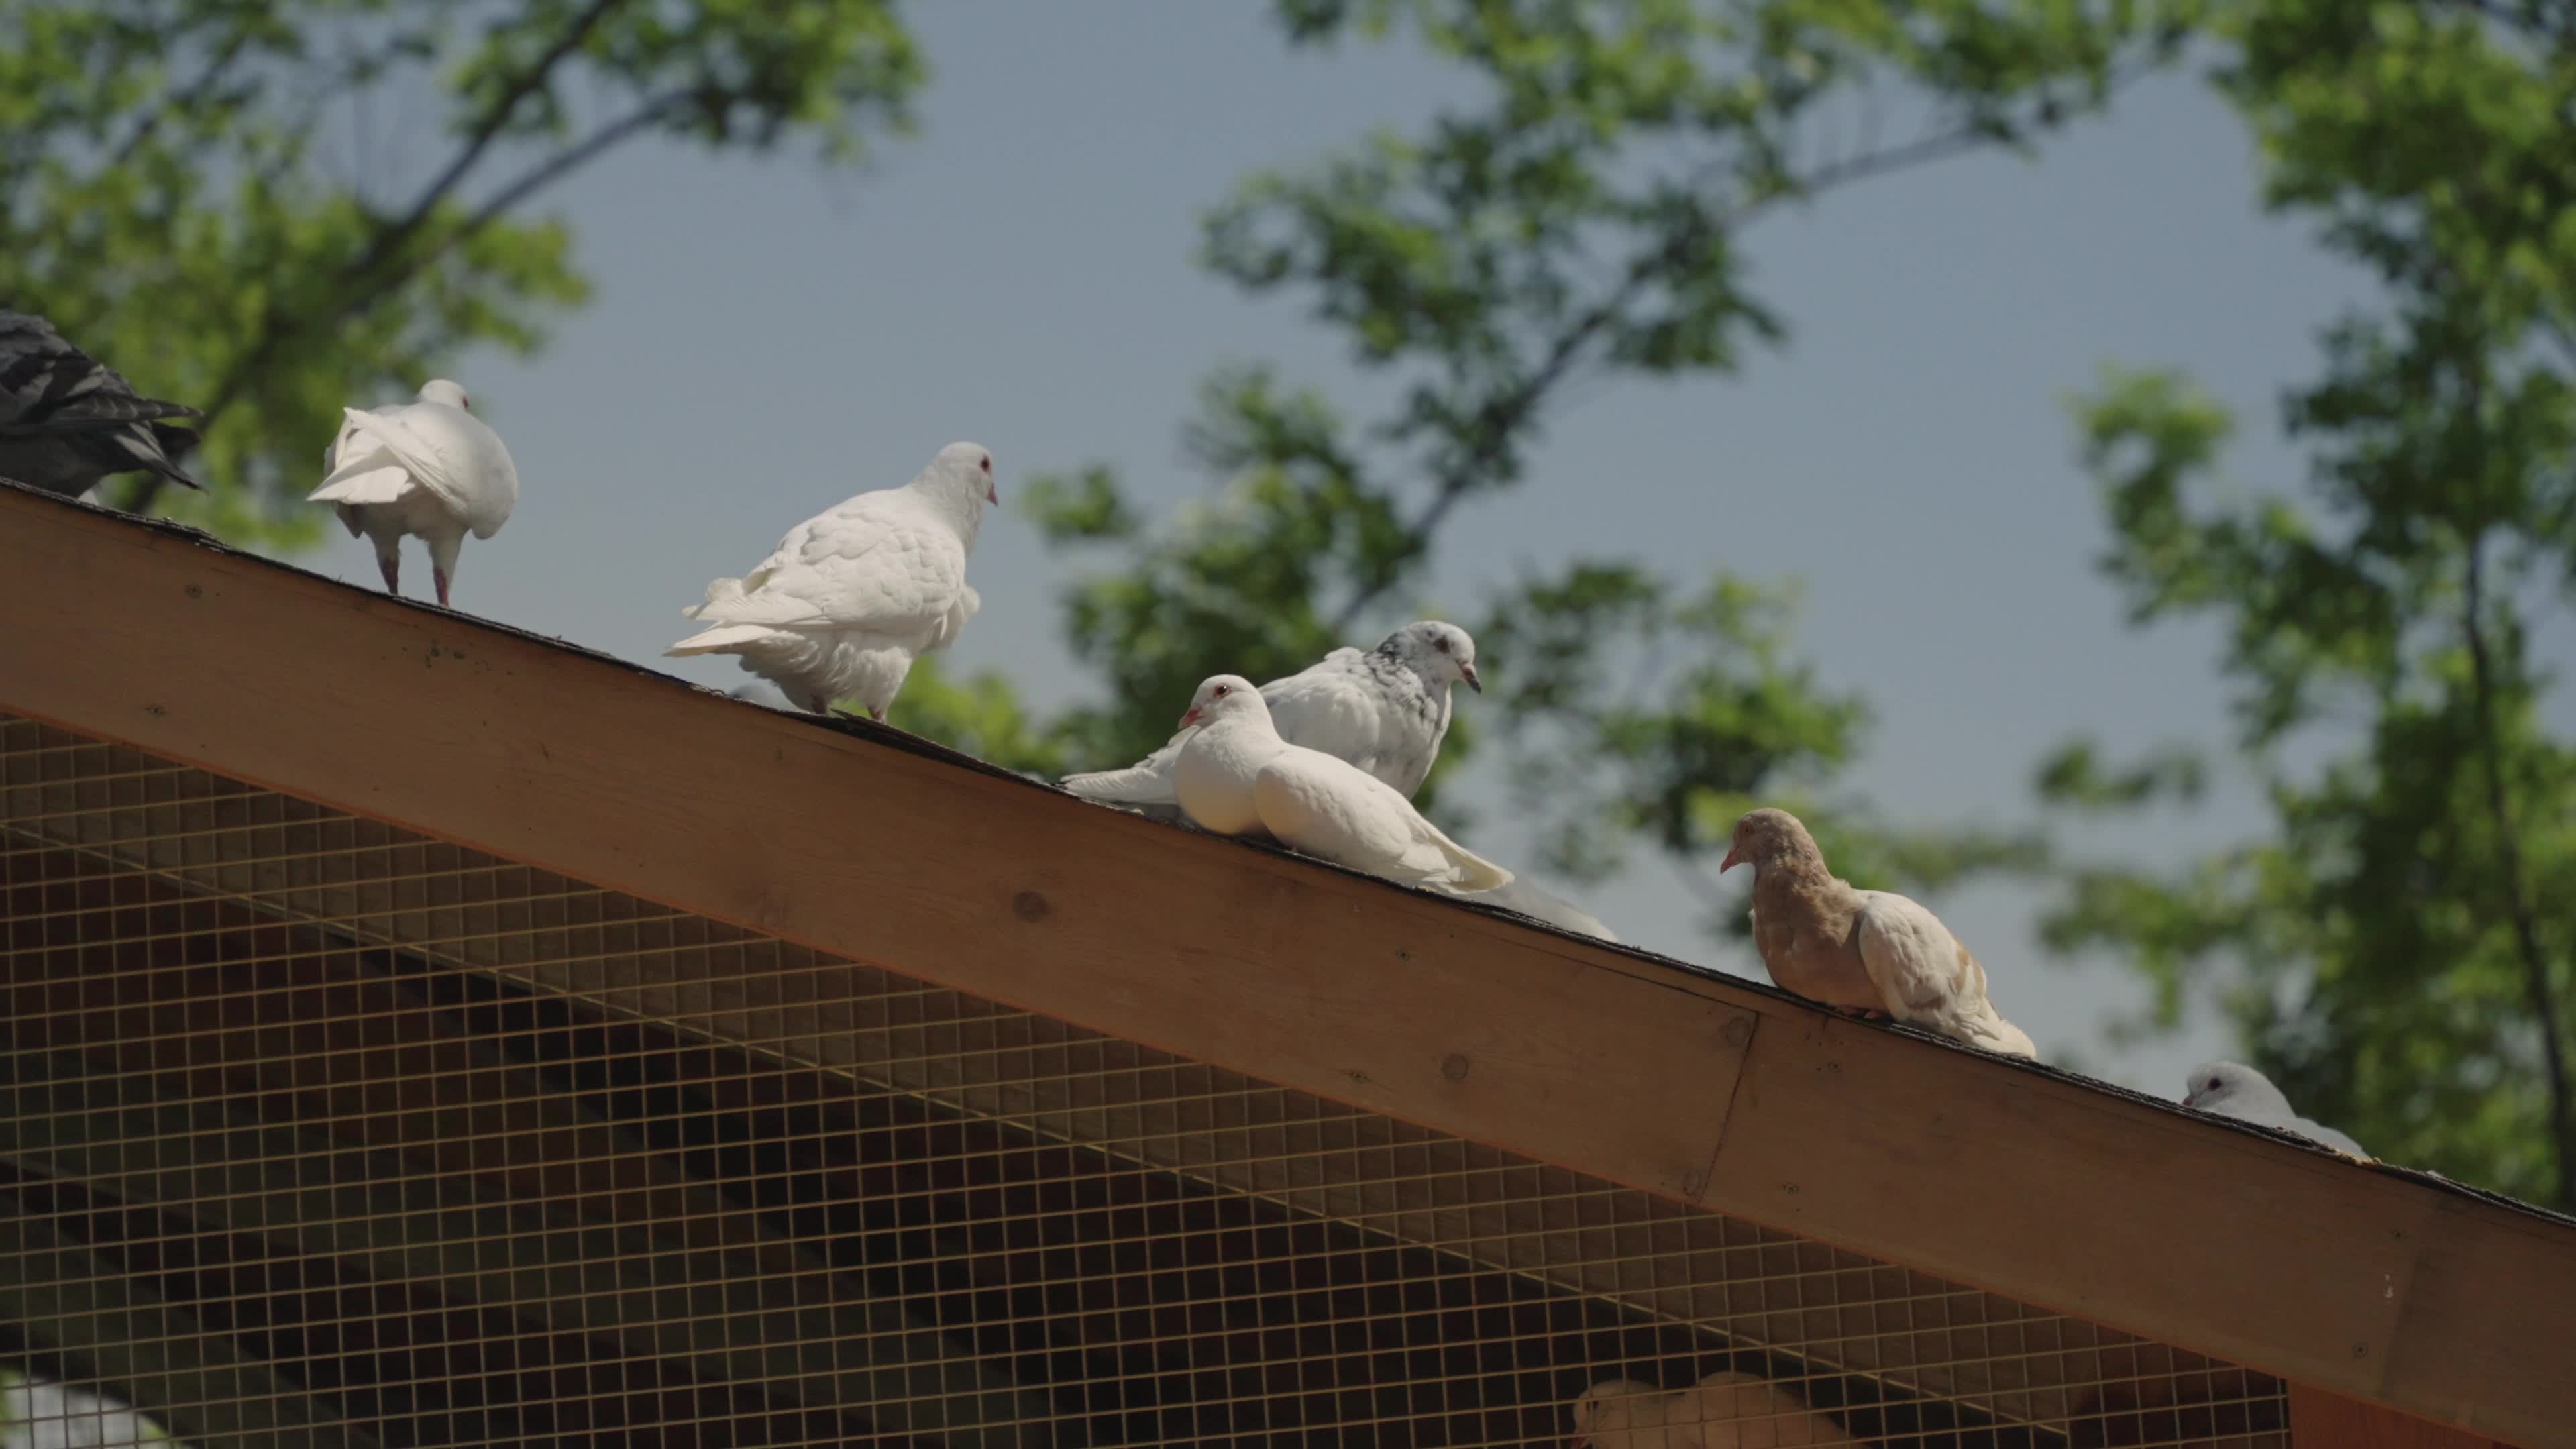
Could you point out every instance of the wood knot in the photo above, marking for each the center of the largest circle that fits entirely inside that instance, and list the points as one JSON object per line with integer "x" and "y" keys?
{"x": 1030, "y": 906}
{"x": 1737, "y": 1032}
{"x": 1454, "y": 1066}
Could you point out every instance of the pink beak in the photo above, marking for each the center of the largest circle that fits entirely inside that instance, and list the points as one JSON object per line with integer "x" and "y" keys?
{"x": 1189, "y": 717}
{"x": 1731, "y": 862}
{"x": 992, "y": 494}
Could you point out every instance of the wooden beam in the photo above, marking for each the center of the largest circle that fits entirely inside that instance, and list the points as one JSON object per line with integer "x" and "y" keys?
{"x": 568, "y": 1164}
{"x": 2320, "y": 1420}
{"x": 199, "y": 835}
{"x": 1620, "y": 1065}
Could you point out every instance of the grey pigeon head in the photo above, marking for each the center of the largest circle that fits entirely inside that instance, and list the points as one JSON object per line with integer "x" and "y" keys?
{"x": 1441, "y": 653}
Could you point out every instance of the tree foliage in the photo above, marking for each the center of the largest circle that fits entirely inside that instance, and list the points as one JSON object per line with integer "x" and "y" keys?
{"x": 167, "y": 193}
{"x": 174, "y": 192}
{"x": 1578, "y": 226}
{"x": 2397, "y": 952}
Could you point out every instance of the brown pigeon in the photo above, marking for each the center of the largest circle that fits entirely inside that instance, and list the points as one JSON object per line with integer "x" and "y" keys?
{"x": 1868, "y": 953}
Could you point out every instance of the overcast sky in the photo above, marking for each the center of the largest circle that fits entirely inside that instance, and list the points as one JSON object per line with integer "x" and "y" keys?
{"x": 767, "y": 339}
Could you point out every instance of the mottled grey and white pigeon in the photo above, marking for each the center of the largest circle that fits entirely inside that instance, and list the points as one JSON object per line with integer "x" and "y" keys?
{"x": 1236, "y": 776}
{"x": 426, "y": 469}
{"x": 68, "y": 420}
{"x": 2232, "y": 1089}
{"x": 853, "y": 595}
{"x": 1384, "y": 710}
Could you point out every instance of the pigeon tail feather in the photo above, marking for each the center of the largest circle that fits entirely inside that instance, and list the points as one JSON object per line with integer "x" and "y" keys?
{"x": 1467, "y": 871}
{"x": 1143, "y": 784}
{"x": 1475, "y": 873}
{"x": 140, "y": 447}
{"x": 723, "y": 639}
{"x": 175, "y": 442}
{"x": 427, "y": 467}
{"x": 718, "y": 590}
{"x": 738, "y": 605}
{"x": 1998, "y": 1035}
{"x": 369, "y": 478}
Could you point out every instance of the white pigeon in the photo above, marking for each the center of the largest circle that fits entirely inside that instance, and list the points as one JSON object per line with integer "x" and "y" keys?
{"x": 2232, "y": 1089}
{"x": 426, "y": 469}
{"x": 852, "y": 596}
{"x": 1721, "y": 1411}
{"x": 68, "y": 420}
{"x": 1236, "y": 776}
{"x": 1385, "y": 710}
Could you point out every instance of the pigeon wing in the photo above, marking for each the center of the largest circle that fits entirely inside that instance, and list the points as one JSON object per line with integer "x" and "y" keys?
{"x": 1330, "y": 808}
{"x": 851, "y": 570}
{"x": 49, "y": 386}
{"x": 1925, "y": 976}
{"x": 1919, "y": 968}
{"x": 1328, "y": 706}
{"x": 445, "y": 450}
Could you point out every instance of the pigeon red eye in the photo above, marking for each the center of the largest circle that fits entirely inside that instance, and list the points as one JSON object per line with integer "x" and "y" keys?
{"x": 1440, "y": 644}
{"x": 1220, "y": 691}
{"x": 988, "y": 465}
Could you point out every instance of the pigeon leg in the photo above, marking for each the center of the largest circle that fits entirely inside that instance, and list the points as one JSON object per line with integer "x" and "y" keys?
{"x": 438, "y": 576}
{"x": 878, "y": 715}
{"x": 1866, "y": 1013}
{"x": 390, "y": 565}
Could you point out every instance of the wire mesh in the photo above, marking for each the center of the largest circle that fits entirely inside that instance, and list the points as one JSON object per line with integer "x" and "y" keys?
{"x": 318, "y": 1132}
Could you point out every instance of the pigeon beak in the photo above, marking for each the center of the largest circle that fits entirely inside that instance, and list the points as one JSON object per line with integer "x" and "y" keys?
{"x": 2191, "y": 1099}
{"x": 1468, "y": 672}
{"x": 1731, "y": 862}
{"x": 992, "y": 494}
{"x": 1189, "y": 717}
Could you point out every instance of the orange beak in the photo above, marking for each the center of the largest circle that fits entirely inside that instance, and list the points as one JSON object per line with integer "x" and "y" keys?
{"x": 1731, "y": 862}
{"x": 1189, "y": 717}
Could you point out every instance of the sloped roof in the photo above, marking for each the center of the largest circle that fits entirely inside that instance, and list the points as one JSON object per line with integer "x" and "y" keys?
{"x": 1690, "y": 1085}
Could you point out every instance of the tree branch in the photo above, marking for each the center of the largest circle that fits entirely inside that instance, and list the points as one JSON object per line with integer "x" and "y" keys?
{"x": 485, "y": 131}
{"x": 545, "y": 173}
{"x": 364, "y": 282}
{"x": 185, "y": 99}
{"x": 1505, "y": 415}
{"x": 2526, "y": 933}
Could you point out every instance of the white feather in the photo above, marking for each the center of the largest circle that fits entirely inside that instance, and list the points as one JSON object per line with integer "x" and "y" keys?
{"x": 1926, "y": 977}
{"x": 1384, "y": 710}
{"x": 1235, "y": 776}
{"x": 850, "y": 597}
{"x": 425, "y": 469}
